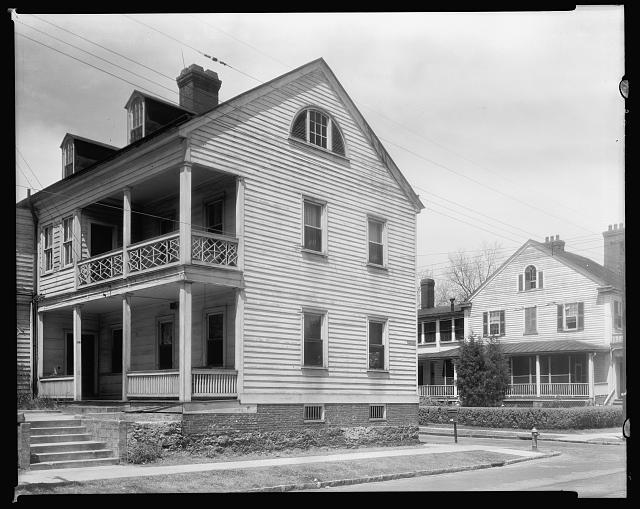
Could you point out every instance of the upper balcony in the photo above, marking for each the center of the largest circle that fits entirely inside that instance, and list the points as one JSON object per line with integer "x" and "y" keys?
{"x": 180, "y": 218}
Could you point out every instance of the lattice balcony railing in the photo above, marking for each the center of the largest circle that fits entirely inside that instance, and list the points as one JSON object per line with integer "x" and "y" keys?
{"x": 154, "y": 253}
{"x": 100, "y": 268}
{"x": 214, "y": 249}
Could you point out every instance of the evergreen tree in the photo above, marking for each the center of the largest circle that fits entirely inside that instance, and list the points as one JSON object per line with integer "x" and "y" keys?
{"x": 483, "y": 373}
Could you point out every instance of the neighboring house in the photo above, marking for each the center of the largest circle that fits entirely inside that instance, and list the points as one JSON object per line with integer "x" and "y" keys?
{"x": 260, "y": 250}
{"x": 560, "y": 320}
{"x": 440, "y": 329}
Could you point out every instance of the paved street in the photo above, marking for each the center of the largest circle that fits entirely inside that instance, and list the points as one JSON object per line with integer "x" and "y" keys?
{"x": 588, "y": 469}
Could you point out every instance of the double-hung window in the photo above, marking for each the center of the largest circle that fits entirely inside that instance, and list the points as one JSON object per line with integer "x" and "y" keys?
{"x": 377, "y": 340}
{"x": 617, "y": 314}
{"x": 530, "y": 318}
{"x": 314, "y": 339}
{"x": 48, "y": 248}
{"x": 67, "y": 241}
{"x": 493, "y": 323}
{"x": 376, "y": 233}
{"x": 314, "y": 225}
{"x": 571, "y": 316}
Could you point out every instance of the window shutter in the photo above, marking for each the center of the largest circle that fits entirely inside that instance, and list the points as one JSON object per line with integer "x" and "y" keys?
{"x": 502, "y": 326}
{"x": 485, "y": 324}
{"x": 540, "y": 279}
{"x": 336, "y": 137}
{"x": 519, "y": 282}
{"x": 560, "y": 318}
{"x": 300, "y": 126}
{"x": 580, "y": 315}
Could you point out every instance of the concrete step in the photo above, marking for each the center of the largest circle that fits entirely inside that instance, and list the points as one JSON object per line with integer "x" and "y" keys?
{"x": 79, "y": 463}
{"x": 70, "y": 455}
{"x": 66, "y": 430}
{"x": 85, "y": 445}
{"x": 67, "y": 437}
{"x": 57, "y": 423}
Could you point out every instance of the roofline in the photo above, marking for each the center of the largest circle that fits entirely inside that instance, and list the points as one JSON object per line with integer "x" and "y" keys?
{"x": 153, "y": 97}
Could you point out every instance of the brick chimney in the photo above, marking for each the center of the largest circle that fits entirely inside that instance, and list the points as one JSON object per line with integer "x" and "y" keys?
{"x": 198, "y": 88}
{"x": 614, "y": 248}
{"x": 555, "y": 244}
{"x": 426, "y": 293}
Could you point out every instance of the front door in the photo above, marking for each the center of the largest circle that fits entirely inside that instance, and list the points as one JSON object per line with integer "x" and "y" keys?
{"x": 101, "y": 239}
{"x": 88, "y": 366}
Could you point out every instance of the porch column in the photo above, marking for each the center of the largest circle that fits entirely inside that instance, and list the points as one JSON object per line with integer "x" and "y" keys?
{"x": 239, "y": 339}
{"x": 240, "y": 185}
{"x": 40, "y": 339}
{"x": 126, "y": 234}
{"x": 538, "y": 376}
{"x": 185, "y": 214}
{"x": 592, "y": 377}
{"x": 455, "y": 379}
{"x": 184, "y": 339}
{"x": 76, "y": 243}
{"x": 77, "y": 353}
{"x": 126, "y": 342}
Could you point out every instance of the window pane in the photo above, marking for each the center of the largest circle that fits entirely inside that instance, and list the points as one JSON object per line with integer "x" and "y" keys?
{"x": 375, "y": 232}
{"x": 376, "y": 356}
{"x": 376, "y": 253}
{"x": 313, "y": 352}
{"x": 318, "y": 129}
{"x": 375, "y": 333}
{"x": 312, "y": 339}
{"x": 312, "y": 214}
{"x": 429, "y": 332}
{"x": 313, "y": 238}
{"x": 312, "y": 326}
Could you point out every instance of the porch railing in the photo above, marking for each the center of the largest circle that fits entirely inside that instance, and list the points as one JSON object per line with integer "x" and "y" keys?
{"x": 214, "y": 249}
{"x": 57, "y": 388}
{"x": 521, "y": 390}
{"x": 100, "y": 268}
{"x": 436, "y": 390}
{"x": 564, "y": 389}
{"x": 153, "y": 384}
{"x": 156, "y": 252}
{"x": 214, "y": 382}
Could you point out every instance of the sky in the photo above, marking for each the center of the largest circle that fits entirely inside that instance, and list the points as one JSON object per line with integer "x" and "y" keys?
{"x": 508, "y": 125}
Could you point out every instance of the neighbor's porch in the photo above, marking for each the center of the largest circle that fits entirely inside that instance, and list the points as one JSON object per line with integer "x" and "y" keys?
{"x": 174, "y": 341}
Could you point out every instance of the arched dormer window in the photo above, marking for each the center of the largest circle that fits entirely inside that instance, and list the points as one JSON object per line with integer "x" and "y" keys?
{"x": 136, "y": 116}
{"x": 68, "y": 158}
{"x": 318, "y": 128}
{"x": 530, "y": 280}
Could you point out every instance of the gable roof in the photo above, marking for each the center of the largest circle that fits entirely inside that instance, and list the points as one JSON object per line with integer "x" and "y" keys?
{"x": 581, "y": 264}
{"x": 318, "y": 64}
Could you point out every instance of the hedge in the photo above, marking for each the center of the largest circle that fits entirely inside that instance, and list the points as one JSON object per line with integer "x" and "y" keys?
{"x": 526, "y": 418}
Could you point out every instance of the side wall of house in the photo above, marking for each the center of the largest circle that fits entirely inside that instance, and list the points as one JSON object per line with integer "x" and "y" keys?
{"x": 561, "y": 284}
{"x": 24, "y": 290}
{"x": 281, "y": 279}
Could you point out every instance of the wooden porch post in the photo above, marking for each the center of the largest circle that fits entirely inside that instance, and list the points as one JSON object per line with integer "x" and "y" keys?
{"x": 591, "y": 377}
{"x": 185, "y": 213}
{"x": 240, "y": 188}
{"x": 538, "y": 376}
{"x": 77, "y": 353}
{"x": 126, "y": 342}
{"x": 40, "y": 339}
{"x": 455, "y": 378}
{"x": 239, "y": 339}
{"x": 76, "y": 243}
{"x": 126, "y": 235}
{"x": 184, "y": 338}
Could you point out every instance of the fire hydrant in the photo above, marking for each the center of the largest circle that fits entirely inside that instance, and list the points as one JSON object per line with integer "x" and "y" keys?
{"x": 534, "y": 439}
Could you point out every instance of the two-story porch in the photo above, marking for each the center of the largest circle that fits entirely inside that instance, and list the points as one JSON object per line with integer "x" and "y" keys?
{"x": 140, "y": 291}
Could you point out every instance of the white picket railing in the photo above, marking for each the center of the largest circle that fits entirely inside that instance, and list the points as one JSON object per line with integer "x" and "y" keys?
{"x": 214, "y": 382}
{"x": 153, "y": 384}
{"x": 564, "y": 389}
{"x": 521, "y": 390}
{"x": 214, "y": 249}
{"x": 437, "y": 390}
{"x": 100, "y": 268}
{"x": 156, "y": 252}
{"x": 58, "y": 387}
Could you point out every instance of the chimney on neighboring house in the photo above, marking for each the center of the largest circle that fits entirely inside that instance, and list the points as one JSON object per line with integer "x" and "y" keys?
{"x": 614, "y": 249}
{"x": 453, "y": 307}
{"x": 426, "y": 293}
{"x": 556, "y": 245}
{"x": 198, "y": 88}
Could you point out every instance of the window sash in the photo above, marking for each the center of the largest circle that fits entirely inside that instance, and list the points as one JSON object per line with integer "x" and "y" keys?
{"x": 313, "y": 347}
{"x": 376, "y": 242}
{"x": 313, "y": 227}
{"x": 377, "y": 344}
{"x": 494, "y": 323}
{"x": 318, "y": 125}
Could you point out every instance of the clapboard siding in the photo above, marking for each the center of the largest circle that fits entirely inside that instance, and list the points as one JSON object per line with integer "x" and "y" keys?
{"x": 24, "y": 290}
{"x": 253, "y": 142}
{"x": 57, "y": 283}
{"x": 56, "y": 325}
{"x": 561, "y": 285}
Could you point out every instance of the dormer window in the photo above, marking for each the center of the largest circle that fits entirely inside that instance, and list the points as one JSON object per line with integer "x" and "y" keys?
{"x": 318, "y": 128}
{"x": 136, "y": 115}
{"x": 67, "y": 158}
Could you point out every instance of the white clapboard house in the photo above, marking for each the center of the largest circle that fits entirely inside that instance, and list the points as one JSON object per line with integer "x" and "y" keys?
{"x": 260, "y": 249}
{"x": 558, "y": 316}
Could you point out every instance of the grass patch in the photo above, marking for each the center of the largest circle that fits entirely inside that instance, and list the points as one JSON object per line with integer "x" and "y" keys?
{"x": 243, "y": 480}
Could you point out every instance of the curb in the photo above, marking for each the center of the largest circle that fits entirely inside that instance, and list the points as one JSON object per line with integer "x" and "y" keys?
{"x": 390, "y": 477}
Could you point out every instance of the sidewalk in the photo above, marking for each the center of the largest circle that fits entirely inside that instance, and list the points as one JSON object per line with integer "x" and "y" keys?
{"x": 608, "y": 436}
{"x": 126, "y": 470}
